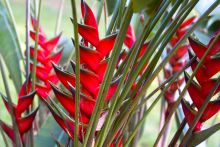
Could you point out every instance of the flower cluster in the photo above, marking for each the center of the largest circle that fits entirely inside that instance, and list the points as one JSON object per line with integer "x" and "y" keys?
{"x": 24, "y": 123}
{"x": 93, "y": 64}
{"x": 46, "y": 54}
{"x": 199, "y": 90}
{"x": 176, "y": 63}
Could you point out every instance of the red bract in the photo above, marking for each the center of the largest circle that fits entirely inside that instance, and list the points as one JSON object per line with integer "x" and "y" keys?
{"x": 46, "y": 54}
{"x": 25, "y": 99}
{"x": 199, "y": 91}
{"x": 130, "y": 40}
{"x": 130, "y": 37}
{"x": 176, "y": 63}
{"x": 93, "y": 64}
{"x": 93, "y": 60}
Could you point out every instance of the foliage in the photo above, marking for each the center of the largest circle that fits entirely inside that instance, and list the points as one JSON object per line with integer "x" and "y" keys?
{"x": 100, "y": 92}
{"x": 10, "y": 49}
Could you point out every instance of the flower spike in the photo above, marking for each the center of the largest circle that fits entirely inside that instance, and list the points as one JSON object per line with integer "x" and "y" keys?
{"x": 199, "y": 92}
{"x": 46, "y": 54}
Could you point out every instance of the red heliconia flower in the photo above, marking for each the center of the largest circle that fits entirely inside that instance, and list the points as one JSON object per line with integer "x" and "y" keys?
{"x": 94, "y": 63}
{"x": 93, "y": 59}
{"x": 176, "y": 63}
{"x": 129, "y": 42}
{"x": 199, "y": 91}
{"x": 182, "y": 30}
{"x": 46, "y": 54}
{"x": 25, "y": 99}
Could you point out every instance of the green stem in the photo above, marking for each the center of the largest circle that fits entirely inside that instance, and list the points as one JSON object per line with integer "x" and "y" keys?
{"x": 114, "y": 16}
{"x": 108, "y": 75}
{"x": 105, "y": 15}
{"x": 151, "y": 49}
{"x": 77, "y": 52}
{"x": 12, "y": 110}
{"x": 27, "y": 38}
{"x": 33, "y": 73}
{"x": 150, "y": 68}
{"x": 169, "y": 81}
{"x": 168, "y": 34}
{"x": 177, "y": 134}
{"x": 156, "y": 57}
{"x": 205, "y": 104}
{"x": 120, "y": 13}
{"x": 146, "y": 32}
{"x": 140, "y": 122}
{"x": 125, "y": 72}
{"x": 29, "y": 135}
{"x": 150, "y": 79}
{"x": 200, "y": 20}
{"x": 35, "y": 49}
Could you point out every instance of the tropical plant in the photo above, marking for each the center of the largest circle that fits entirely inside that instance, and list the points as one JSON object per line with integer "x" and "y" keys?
{"x": 121, "y": 66}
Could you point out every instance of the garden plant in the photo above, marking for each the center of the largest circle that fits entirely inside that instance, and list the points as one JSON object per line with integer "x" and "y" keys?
{"x": 125, "y": 63}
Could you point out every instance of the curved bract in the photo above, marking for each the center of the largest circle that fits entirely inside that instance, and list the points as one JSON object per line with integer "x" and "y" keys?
{"x": 24, "y": 123}
{"x": 199, "y": 91}
{"x": 46, "y": 54}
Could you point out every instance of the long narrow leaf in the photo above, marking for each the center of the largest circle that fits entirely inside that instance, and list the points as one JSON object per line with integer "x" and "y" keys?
{"x": 9, "y": 47}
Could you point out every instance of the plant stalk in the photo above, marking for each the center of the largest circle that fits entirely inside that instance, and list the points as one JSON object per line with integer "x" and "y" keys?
{"x": 27, "y": 23}
{"x": 162, "y": 93}
{"x": 36, "y": 48}
{"x": 77, "y": 52}
{"x": 108, "y": 76}
{"x": 193, "y": 27}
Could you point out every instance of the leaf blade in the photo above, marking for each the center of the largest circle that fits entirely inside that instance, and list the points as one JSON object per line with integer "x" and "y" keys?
{"x": 10, "y": 47}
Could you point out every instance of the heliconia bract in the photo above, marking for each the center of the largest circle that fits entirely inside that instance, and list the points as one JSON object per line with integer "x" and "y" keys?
{"x": 199, "y": 91}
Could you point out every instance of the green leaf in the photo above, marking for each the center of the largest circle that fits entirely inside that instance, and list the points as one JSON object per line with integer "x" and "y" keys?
{"x": 149, "y": 6}
{"x": 50, "y": 134}
{"x": 199, "y": 137}
{"x": 9, "y": 47}
{"x": 111, "y": 6}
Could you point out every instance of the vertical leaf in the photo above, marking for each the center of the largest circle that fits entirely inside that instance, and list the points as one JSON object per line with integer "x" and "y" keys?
{"x": 9, "y": 47}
